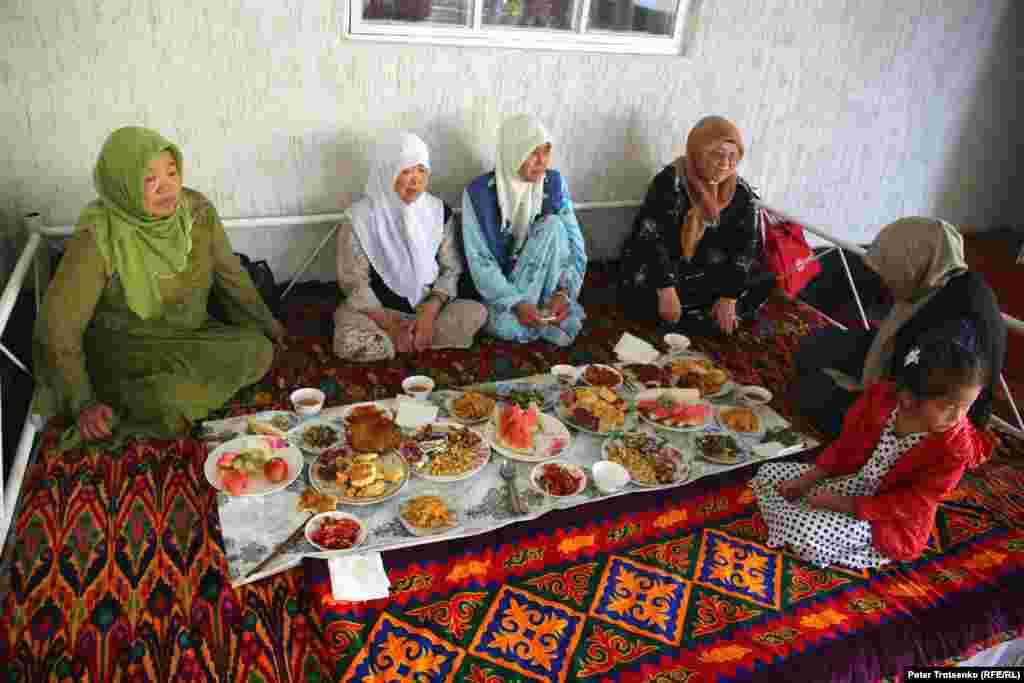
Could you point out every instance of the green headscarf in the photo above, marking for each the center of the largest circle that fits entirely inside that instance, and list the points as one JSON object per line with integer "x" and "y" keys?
{"x": 138, "y": 247}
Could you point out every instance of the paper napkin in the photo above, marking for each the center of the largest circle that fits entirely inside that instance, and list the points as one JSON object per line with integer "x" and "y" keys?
{"x": 632, "y": 349}
{"x": 413, "y": 413}
{"x": 358, "y": 577}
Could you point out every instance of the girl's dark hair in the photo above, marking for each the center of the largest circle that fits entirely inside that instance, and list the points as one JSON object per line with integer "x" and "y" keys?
{"x": 939, "y": 367}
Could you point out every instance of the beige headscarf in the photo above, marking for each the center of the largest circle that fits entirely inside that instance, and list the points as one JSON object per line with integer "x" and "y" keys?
{"x": 708, "y": 200}
{"x": 520, "y": 202}
{"x": 915, "y": 257}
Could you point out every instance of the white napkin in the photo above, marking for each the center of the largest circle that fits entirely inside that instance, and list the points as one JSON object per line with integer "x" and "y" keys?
{"x": 358, "y": 577}
{"x": 632, "y": 349}
{"x": 413, "y": 413}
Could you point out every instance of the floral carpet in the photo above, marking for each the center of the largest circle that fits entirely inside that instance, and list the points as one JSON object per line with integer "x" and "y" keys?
{"x": 116, "y": 571}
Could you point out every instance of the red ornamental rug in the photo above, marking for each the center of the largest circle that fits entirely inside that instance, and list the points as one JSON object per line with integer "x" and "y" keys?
{"x": 676, "y": 586}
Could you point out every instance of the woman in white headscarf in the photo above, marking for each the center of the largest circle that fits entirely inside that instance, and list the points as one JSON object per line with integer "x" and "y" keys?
{"x": 524, "y": 247}
{"x": 398, "y": 264}
{"x": 921, "y": 262}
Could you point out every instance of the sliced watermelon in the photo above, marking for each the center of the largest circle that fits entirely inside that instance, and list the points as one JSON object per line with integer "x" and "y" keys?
{"x": 226, "y": 460}
{"x": 516, "y": 427}
{"x": 235, "y": 481}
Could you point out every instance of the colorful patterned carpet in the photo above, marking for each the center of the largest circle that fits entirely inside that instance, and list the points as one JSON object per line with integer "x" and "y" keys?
{"x": 117, "y": 572}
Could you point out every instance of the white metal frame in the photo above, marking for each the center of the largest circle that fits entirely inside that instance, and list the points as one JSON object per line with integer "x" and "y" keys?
{"x": 37, "y": 232}
{"x": 478, "y": 34}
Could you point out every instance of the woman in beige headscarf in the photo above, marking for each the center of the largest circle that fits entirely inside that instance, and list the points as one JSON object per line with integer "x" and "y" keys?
{"x": 921, "y": 262}
{"x": 692, "y": 258}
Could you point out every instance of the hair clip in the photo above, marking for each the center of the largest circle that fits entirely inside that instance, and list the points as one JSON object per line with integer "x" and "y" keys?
{"x": 913, "y": 356}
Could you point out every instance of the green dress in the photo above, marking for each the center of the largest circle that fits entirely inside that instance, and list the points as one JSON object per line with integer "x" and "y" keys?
{"x": 162, "y": 373}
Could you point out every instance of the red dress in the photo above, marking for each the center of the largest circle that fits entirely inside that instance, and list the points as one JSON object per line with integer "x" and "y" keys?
{"x": 902, "y": 512}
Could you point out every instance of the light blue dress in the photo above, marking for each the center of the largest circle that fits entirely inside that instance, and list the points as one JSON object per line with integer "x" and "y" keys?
{"x": 552, "y": 258}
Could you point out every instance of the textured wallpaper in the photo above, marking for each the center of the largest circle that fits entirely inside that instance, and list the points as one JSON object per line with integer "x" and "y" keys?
{"x": 856, "y": 112}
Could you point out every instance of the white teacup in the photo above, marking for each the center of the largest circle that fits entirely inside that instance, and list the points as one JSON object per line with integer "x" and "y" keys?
{"x": 307, "y": 401}
{"x": 565, "y": 374}
{"x": 677, "y": 343}
{"x": 609, "y": 476}
{"x": 418, "y": 387}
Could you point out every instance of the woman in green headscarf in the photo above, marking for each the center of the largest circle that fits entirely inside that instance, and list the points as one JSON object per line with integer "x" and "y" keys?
{"x": 124, "y": 337}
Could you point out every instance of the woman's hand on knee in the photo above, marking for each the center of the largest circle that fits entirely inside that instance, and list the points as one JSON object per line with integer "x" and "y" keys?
{"x": 724, "y": 313}
{"x": 96, "y": 422}
{"x": 558, "y": 306}
{"x": 423, "y": 328}
{"x": 791, "y": 489}
{"x": 527, "y": 314}
{"x": 669, "y": 307}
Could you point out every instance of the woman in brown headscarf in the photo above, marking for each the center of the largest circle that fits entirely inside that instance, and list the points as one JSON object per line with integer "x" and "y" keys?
{"x": 692, "y": 256}
{"x": 921, "y": 262}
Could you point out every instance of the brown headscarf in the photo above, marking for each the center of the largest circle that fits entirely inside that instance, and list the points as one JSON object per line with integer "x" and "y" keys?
{"x": 708, "y": 200}
{"x": 915, "y": 257}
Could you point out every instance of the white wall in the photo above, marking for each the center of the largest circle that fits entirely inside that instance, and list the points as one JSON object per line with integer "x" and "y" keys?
{"x": 856, "y": 112}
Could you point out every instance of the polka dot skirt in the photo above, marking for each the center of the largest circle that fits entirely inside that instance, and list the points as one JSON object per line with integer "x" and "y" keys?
{"x": 824, "y": 536}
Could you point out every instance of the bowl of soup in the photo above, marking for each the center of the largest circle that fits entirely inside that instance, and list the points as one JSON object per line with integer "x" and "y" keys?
{"x": 308, "y": 401}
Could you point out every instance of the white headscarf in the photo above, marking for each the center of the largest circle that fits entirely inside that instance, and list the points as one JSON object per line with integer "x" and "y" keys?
{"x": 400, "y": 240}
{"x": 520, "y": 202}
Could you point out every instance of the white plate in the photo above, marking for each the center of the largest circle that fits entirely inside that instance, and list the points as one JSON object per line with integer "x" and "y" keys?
{"x": 724, "y": 390}
{"x": 665, "y": 448}
{"x": 654, "y": 394}
{"x": 551, "y": 432}
{"x": 755, "y": 434}
{"x": 563, "y": 415}
{"x": 331, "y": 487}
{"x": 448, "y": 405}
{"x": 423, "y": 531}
{"x": 286, "y": 417}
{"x": 296, "y": 435}
{"x": 538, "y": 470}
{"x": 583, "y": 375}
{"x": 743, "y": 456}
{"x": 258, "y": 484}
{"x": 483, "y": 455}
{"x": 316, "y": 521}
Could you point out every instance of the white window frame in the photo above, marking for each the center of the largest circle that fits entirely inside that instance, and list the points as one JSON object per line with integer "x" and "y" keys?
{"x": 576, "y": 39}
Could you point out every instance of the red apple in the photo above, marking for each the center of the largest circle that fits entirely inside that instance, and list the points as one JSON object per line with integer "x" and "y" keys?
{"x": 276, "y": 470}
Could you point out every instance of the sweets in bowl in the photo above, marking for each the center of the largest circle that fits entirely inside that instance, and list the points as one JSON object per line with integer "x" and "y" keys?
{"x": 335, "y": 531}
{"x": 558, "y": 478}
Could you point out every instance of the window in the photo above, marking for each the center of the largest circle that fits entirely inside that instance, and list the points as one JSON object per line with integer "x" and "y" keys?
{"x": 627, "y": 26}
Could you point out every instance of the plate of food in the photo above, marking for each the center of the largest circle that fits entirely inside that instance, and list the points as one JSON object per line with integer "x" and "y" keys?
{"x": 359, "y": 478}
{"x": 428, "y": 512}
{"x": 702, "y": 374}
{"x": 598, "y": 375}
{"x": 527, "y": 434}
{"x": 646, "y": 375}
{"x": 335, "y": 531}
{"x": 649, "y": 459}
{"x": 470, "y": 407}
{"x": 253, "y": 465}
{"x": 678, "y": 410}
{"x": 596, "y": 410}
{"x": 272, "y": 423}
{"x": 559, "y": 478}
{"x": 317, "y": 435}
{"x": 721, "y": 448}
{"x": 741, "y": 421}
{"x": 371, "y": 428}
{"x": 446, "y": 451}
{"x": 524, "y": 393}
